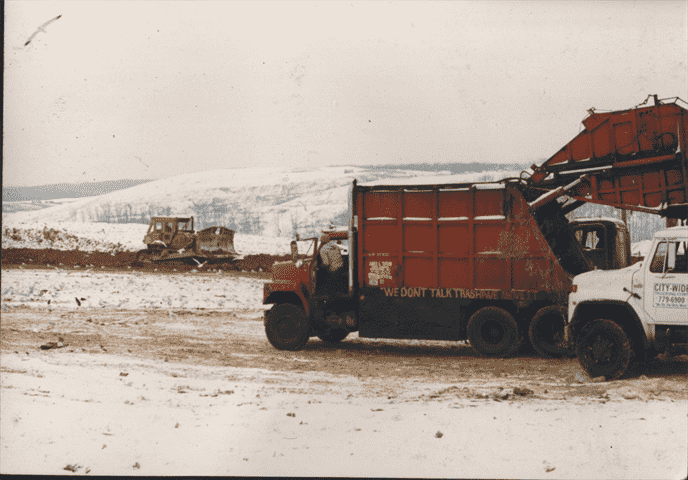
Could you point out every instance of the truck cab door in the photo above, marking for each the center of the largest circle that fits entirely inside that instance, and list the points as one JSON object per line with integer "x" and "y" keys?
{"x": 666, "y": 288}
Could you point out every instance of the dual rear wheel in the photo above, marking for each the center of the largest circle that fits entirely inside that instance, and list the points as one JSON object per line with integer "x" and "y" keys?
{"x": 494, "y": 332}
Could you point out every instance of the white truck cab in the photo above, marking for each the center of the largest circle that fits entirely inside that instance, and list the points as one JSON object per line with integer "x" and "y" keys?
{"x": 620, "y": 316}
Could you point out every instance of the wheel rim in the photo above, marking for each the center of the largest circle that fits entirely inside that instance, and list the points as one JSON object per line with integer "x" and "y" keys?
{"x": 286, "y": 326}
{"x": 492, "y": 332}
{"x": 601, "y": 351}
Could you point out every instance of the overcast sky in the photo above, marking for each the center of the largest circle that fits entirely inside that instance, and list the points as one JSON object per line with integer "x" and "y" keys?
{"x": 142, "y": 89}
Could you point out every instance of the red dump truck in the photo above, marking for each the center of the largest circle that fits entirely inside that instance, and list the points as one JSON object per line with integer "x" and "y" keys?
{"x": 490, "y": 262}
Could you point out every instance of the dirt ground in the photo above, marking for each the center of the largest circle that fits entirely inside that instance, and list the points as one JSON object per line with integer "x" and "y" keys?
{"x": 201, "y": 392}
{"x": 31, "y": 257}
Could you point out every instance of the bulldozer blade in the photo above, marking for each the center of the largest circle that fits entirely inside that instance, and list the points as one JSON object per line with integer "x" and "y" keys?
{"x": 217, "y": 242}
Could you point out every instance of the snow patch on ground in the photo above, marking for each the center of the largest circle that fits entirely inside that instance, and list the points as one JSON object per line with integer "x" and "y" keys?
{"x": 59, "y": 289}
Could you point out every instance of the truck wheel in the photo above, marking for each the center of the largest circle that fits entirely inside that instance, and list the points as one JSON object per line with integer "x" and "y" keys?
{"x": 604, "y": 349}
{"x": 546, "y": 331}
{"x": 286, "y": 327}
{"x": 493, "y": 332}
{"x": 333, "y": 335}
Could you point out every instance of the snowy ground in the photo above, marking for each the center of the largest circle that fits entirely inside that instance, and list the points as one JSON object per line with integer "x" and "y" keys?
{"x": 142, "y": 392}
{"x": 51, "y": 289}
{"x": 194, "y": 420}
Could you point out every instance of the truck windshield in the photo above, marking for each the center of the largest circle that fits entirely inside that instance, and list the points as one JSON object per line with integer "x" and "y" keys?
{"x": 306, "y": 247}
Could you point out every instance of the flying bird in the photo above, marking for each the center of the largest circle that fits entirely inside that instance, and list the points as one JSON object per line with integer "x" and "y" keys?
{"x": 41, "y": 29}
{"x": 141, "y": 161}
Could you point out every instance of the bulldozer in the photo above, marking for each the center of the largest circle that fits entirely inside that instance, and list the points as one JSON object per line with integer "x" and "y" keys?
{"x": 174, "y": 239}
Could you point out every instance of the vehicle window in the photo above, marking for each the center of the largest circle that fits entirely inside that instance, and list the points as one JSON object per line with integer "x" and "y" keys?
{"x": 657, "y": 265}
{"x": 169, "y": 228}
{"x": 592, "y": 240}
{"x": 305, "y": 248}
{"x": 579, "y": 236}
{"x": 681, "y": 257}
{"x": 158, "y": 226}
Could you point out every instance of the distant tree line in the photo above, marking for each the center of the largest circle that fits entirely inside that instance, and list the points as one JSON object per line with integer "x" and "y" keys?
{"x": 455, "y": 167}
{"x": 66, "y": 190}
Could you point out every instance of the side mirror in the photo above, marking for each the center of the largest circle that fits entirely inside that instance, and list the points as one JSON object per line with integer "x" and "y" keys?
{"x": 294, "y": 251}
{"x": 671, "y": 258}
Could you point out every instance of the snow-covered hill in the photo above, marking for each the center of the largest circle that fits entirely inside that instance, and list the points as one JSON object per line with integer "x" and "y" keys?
{"x": 252, "y": 201}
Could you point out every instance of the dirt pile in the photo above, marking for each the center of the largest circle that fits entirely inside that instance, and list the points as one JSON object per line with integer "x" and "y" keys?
{"x": 50, "y": 257}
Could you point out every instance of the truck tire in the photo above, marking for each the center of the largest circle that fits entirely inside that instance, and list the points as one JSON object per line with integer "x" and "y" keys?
{"x": 333, "y": 335}
{"x": 493, "y": 332}
{"x": 604, "y": 349}
{"x": 286, "y": 326}
{"x": 546, "y": 331}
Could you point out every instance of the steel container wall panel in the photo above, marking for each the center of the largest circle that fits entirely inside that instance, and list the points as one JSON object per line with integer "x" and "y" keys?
{"x": 419, "y": 204}
{"x": 453, "y": 239}
{"x": 482, "y": 237}
{"x": 624, "y": 133}
{"x": 419, "y": 237}
{"x": 646, "y": 126}
{"x": 579, "y": 148}
{"x": 454, "y": 272}
{"x": 674, "y": 178}
{"x": 491, "y": 238}
{"x": 530, "y": 273}
{"x": 630, "y": 197}
{"x": 381, "y": 204}
{"x": 524, "y": 242}
{"x": 640, "y": 132}
{"x": 454, "y": 203}
{"x": 380, "y": 237}
{"x": 629, "y": 181}
{"x": 489, "y": 202}
{"x": 600, "y": 142}
{"x": 676, "y": 196}
{"x": 492, "y": 273}
{"x": 418, "y": 272}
